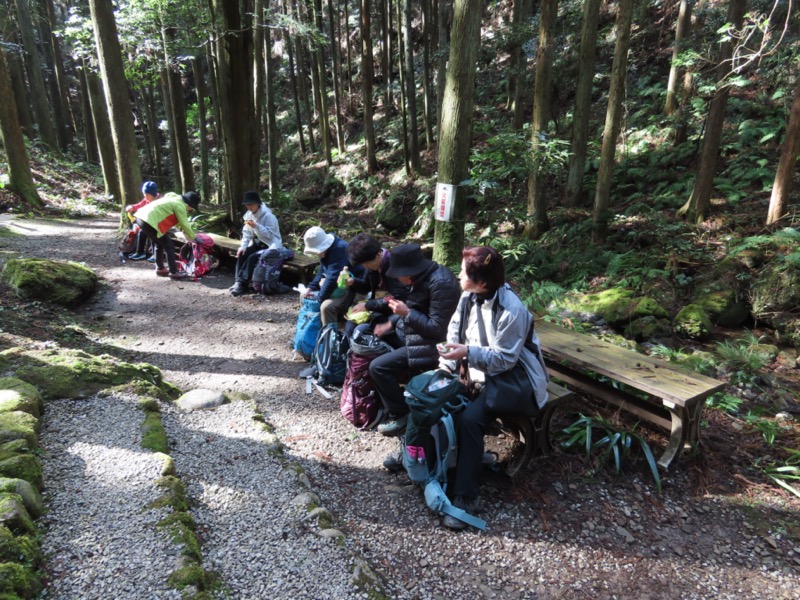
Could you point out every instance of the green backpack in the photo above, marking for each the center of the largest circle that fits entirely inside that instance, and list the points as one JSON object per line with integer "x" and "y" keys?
{"x": 434, "y": 397}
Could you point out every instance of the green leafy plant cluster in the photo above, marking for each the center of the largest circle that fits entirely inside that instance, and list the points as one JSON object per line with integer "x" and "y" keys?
{"x": 785, "y": 474}
{"x": 611, "y": 443}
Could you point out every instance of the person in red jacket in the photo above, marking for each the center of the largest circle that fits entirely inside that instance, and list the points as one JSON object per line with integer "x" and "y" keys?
{"x": 150, "y": 192}
{"x": 158, "y": 217}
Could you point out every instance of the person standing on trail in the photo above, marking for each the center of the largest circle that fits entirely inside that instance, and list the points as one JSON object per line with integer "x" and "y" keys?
{"x": 158, "y": 217}
{"x": 150, "y": 192}
{"x": 260, "y": 232}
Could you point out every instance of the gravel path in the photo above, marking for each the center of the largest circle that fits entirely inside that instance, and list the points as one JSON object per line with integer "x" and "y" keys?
{"x": 553, "y": 533}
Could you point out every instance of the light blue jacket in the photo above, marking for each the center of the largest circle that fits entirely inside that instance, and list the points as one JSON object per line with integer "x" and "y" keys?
{"x": 506, "y": 331}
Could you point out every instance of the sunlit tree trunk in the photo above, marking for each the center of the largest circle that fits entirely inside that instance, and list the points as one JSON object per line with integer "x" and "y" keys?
{"x": 538, "y": 222}
{"x": 366, "y": 84}
{"x": 616, "y": 93}
{"x": 177, "y": 112}
{"x": 173, "y": 145}
{"x": 302, "y": 83}
{"x": 403, "y": 95}
{"x": 62, "y": 111}
{"x": 697, "y": 206}
{"x": 89, "y": 139}
{"x": 16, "y": 69}
{"x": 272, "y": 125}
{"x": 20, "y": 179}
{"x": 681, "y": 32}
{"x": 456, "y": 124}
{"x": 386, "y": 53}
{"x": 298, "y": 116}
{"x": 583, "y": 103}
{"x": 149, "y": 162}
{"x": 337, "y": 75}
{"x": 782, "y": 186}
{"x": 427, "y": 92}
{"x": 39, "y": 99}
{"x": 350, "y": 97}
{"x": 518, "y": 63}
{"x": 443, "y": 51}
{"x": 154, "y": 134}
{"x": 200, "y": 86}
{"x": 319, "y": 61}
{"x": 102, "y": 128}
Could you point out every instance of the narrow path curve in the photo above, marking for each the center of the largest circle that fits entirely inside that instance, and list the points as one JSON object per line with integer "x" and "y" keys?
{"x": 563, "y": 538}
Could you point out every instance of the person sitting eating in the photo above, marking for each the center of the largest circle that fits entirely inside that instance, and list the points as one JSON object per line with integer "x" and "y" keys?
{"x": 260, "y": 232}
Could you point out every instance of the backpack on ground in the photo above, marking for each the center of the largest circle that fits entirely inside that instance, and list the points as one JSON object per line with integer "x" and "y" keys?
{"x": 267, "y": 274}
{"x": 309, "y": 322}
{"x": 430, "y": 447}
{"x": 360, "y": 403}
{"x": 127, "y": 243}
{"x": 330, "y": 355}
{"x": 196, "y": 258}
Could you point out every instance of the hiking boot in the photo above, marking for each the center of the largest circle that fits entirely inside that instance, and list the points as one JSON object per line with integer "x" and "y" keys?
{"x": 394, "y": 426}
{"x": 239, "y": 288}
{"x": 394, "y": 461}
{"x": 162, "y": 272}
{"x": 178, "y": 275}
{"x": 137, "y": 256}
{"x": 152, "y": 259}
{"x": 465, "y": 503}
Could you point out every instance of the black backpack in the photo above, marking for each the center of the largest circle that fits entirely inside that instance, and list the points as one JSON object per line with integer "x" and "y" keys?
{"x": 330, "y": 355}
{"x": 266, "y": 275}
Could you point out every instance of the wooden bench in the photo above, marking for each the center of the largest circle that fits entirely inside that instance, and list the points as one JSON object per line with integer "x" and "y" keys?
{"x": 672, "y": 397}
{"x": 302, "y": 266}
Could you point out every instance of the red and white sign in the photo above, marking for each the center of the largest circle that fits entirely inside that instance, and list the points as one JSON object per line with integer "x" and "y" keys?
{"x": 445, "y": 202}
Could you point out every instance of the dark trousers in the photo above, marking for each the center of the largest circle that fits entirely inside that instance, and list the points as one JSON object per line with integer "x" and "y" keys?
{"x": 472, "y": 422}
{"x": 163, "y": 245}
{"x": 247, "y": 262}
{"x": 141, "y": 242}
{"x": 387, "y": 372}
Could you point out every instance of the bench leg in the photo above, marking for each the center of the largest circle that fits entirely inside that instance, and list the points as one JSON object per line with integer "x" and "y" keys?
{"x": 677, "y": 437}
{"x": 522, "y": 429}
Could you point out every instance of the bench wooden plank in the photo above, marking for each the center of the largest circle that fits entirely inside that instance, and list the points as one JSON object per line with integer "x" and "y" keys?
{"x": 641, "y": 372}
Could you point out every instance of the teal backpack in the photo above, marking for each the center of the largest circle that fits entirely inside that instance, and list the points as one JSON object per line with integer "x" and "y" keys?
{"x": 434, "y": 397}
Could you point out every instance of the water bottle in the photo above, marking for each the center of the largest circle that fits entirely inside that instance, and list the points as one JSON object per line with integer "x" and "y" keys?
{"x": 343, "y": 277}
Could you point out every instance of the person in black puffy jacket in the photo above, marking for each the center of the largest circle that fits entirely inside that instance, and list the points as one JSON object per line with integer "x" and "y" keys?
{"x": 424, "y": 315}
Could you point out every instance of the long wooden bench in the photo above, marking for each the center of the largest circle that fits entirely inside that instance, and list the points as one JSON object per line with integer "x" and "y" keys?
{"x": 671, "y": 398}
{"x": 302, "y": 266}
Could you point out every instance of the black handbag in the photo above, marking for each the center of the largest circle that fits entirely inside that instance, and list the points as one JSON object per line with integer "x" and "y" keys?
{"x": 510, "y": 393}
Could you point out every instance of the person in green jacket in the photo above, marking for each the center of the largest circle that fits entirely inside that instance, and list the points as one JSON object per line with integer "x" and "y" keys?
{"x": 158, "y": 217}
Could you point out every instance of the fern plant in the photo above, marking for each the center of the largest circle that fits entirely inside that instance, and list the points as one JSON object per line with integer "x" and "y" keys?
{"x": 611, "y": 443}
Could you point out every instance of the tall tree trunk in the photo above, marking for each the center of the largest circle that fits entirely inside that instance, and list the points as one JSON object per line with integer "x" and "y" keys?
{"x": 102, "y": 128}
{"x": 411, "y": 91}
{"x": 386, "y": 53}
{"x": 350, "y": 97}
{"x": 682, "y": 115}
{"x": 235, "y": 80}
{"x": 403, "y": 94}
{"x": 89, "y": 137}
{"x": 426, "y": 72}
{"x": 583, "y": 101}
{"x": 146, "y": 124}
{"x": 259, "y": 69}
{"x": 173, "y": 144}
{"x": 302, "y": 82}
{"x": 456, "y": 124}
{"x": 782, "y": 186}
{"x": 681, "y": 32}
{"x": 200, "y": 85}
{"x": 538, "y": 222}
{"x": 177, "y": 109}
{"x": 441, "y": 66}
{"x": 319, "y": 55}
{"x": 62, "y": 110}
{"x": 337, "y": 75}
{"x": 39, "y": 99}
{"x": 366, "y": 84}
{"x": 272, "y": 125}
{"x": 516, "y": 63}
{"x": 213, "y": 89}
{"x": 154, "y": 137}
{"x": 20, "y": 179}
{"x": 616, "y": 93}
{"x": 298, "y": 116}
{"x": 696, "y": 207}
{"x": 16, "y": 69}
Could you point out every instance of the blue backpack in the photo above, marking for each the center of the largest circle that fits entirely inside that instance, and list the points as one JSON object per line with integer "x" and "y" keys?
{"x": 309, "y": 322}
{"x": 434, "y": 397}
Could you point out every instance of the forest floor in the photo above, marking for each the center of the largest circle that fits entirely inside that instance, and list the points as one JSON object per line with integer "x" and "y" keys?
{"x": 558, "y": 530}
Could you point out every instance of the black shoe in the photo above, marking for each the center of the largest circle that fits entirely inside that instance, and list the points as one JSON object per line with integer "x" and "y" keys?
{"x": 394, "y": 461}
{"x": 394, "y": 426}
{"x": 239, "y": 288}
{"x": 465, "y": 503}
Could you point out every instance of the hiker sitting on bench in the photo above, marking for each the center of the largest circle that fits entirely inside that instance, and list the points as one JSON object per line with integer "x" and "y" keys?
{"x": 366, "y": 251}
{"x": 332, "y": 253}
{"x": 423, "y": 318}
{"x": 491, "y": 337}
{"x": 260, "y": 232}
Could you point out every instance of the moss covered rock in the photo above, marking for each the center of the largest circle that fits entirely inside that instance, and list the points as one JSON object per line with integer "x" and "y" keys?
{"x": 17, "y": 461}
{"x": 776, "y": 291}
{"x": 18, "y": 579}
{"x": 619, "y": 306}
{"x": 14, "y": 515}
{"x": 787, "y": 328}
{"x": 693, "y": 322}
{"x": 15, "y": 394}
{"x": 16, "y": 425}
{"x": 648, "y": 328}
{"x": 20, "y": 548}
{"x": 65, "y": 283}
{"x": 29, "y": 494}
{"x": 67, "y": 373}
{"x": 392, "y": 212}
{"x": 723, "y": 307}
